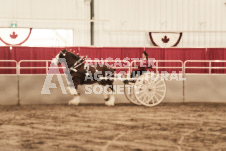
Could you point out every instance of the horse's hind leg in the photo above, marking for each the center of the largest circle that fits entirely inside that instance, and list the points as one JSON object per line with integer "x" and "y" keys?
{"x": 109, "y": 97}
{"x": 106, "y": 96}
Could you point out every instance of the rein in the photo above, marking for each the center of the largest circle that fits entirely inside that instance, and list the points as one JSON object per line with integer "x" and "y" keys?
{"x": 78, "y": 64}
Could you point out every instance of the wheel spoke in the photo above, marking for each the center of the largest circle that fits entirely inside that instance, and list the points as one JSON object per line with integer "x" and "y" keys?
{"x": 160, "y": 90}
{"x": 146, "y": 101}
{"x": 141, "y": 92}
{"x": 141, "y": 95}
{"x": 156, "y": 82}
{"x": 150, "y": 98}
{"x": 159, "y": 94}
{"x": 143, "y": 86}
{"x": 157, "y": 100}
{"x": 151, "y": 82}
{"x": 129, "y": 93}
{"x": 145, "y": 98}
{"x": 160, "y": 86}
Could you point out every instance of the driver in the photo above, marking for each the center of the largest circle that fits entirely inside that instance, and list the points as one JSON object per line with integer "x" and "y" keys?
{"x": 142, "y": 68}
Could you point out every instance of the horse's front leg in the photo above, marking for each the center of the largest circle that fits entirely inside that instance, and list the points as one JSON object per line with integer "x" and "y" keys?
{"x": 109, "y": 96}
{"x": 75, "y": 100}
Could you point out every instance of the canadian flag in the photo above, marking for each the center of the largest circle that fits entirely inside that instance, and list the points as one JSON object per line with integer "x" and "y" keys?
{"x": 14, "y": 36}
{"x": 165, "y": 39}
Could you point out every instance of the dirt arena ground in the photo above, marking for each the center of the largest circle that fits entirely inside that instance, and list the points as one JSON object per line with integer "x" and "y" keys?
{"x": 196, "y": 126}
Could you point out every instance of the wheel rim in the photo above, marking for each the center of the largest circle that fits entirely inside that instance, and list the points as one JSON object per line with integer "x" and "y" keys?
{"x": 150, "y": 89}
{"x": 129, "y": 93}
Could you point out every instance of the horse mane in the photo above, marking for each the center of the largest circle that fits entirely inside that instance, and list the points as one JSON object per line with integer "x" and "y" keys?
{"x": 76, "y": 57}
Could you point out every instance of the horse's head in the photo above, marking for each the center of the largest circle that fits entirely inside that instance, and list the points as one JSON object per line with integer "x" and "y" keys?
{"x": 68, "y": 56}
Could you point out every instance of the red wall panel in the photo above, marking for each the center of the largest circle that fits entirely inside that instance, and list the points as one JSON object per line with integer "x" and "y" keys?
{"x": 47, "y": 53}
{"x": 217, "y": 54}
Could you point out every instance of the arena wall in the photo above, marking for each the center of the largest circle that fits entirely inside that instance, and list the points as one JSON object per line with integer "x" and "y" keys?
{"x": 196, "y": 88}
{"x": 208, "y": 86}
{"x": 205, "y": 88}
{"x": 31, "y": 93}
{"x": 8, "y": 89}
{"x": 174, "y": 91}
{"x": 30, "y": 88}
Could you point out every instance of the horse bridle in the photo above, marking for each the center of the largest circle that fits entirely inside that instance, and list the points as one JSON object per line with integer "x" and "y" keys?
{"x": 78, "y": 64}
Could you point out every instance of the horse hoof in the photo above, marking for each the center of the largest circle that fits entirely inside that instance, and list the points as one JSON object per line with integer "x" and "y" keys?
{"x": 126, "y": 81}
{"x": 73, "y": 102}
{"x": 109, "y": 103}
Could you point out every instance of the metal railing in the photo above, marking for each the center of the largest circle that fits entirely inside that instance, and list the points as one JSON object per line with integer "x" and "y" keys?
{"x": 156, "y": 63}
{"x": 129, "y": 65}
{"x": 9, "y": 67}
{"x": 33, "y": 61}
{"x": 47, "y": 67}
{"x": 210, "y": 66}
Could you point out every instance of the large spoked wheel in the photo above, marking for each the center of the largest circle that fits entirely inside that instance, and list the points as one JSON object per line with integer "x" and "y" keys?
{"x": 150, "y": 89}
{"x": 129, "y": 93}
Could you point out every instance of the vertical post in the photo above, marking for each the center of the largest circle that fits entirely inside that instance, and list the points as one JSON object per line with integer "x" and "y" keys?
{"x": 18, "y": 82}
{"x": 91, "y": 23}
{"x": 210, "y": 67}
{"x": 157, "y": 66}
{"x": 47, "y": 66}
{"x": 129, "y": 69}
{"x": 183, "y": 68}
{"x": 18, "y": 67}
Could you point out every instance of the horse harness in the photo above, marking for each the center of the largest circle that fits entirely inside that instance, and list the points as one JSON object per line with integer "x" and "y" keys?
{"x": 80, "y": 62}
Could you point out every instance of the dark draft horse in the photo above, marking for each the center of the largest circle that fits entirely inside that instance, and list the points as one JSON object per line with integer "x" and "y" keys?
{"x": 79, "y": 70}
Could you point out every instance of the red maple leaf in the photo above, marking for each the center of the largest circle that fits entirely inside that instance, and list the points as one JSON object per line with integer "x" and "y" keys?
{"x": 165, "y": 39}
{"x": 13, "y": 35}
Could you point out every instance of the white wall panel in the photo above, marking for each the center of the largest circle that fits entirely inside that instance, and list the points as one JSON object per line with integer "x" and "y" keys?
{"x": 6, "y": 9}
{"x": 22, "y": 9}
{"x": 53, "y": 14}
{"x": 128, "y": 18}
